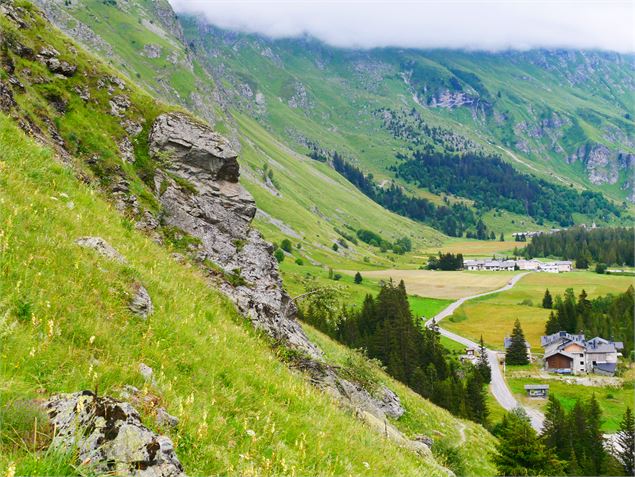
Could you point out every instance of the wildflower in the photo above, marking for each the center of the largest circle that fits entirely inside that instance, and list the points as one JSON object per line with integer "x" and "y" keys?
{"x": 251, "y": 433}
{"x": 92, "y": 339}
{"x": 366, "y": 464}
{"x": 11, "y": 470}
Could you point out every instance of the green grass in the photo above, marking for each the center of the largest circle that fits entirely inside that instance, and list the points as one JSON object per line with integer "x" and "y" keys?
{"x": 613, "y": 400}
{"x": 427, "y": 307}
{"x": 213, "y": 372}
{"x": 494, "y": 315}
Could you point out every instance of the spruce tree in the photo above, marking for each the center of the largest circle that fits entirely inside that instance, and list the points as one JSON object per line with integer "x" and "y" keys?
{"x": 521, "y": 452}
{"x": 547, "y": 300}
{"x": 358, "y": 278}
{"x": 553, "y": 324}
{"x": 483, "y": 363}
{"x": 476, "y": 399}
{"x": 517, "y": 351}
{"x": 554, "y": 430}
{"x": 625, "y": 448}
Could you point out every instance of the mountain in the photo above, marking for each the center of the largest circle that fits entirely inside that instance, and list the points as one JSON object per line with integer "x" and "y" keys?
{"x": 562, "y": 119}
{"x": 144, "y": 328}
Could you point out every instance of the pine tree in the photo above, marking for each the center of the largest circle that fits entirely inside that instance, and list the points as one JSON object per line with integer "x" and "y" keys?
{"x": 521, "y": 452}
{"x": 476, "y": 399}
{"x": 358, "y": 278}
{"x": 553, "y": 325}
{"x": 625, "y": 449}
{"x": 547, "y": 300}
{"x": 483, "y": 363}
{"x": 517, "y": 351}
{"x": 554, "y": 430}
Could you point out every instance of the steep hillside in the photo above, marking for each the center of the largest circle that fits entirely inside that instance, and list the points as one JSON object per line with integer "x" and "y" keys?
{"x": 567, "y": 115}
{"x": 290, "y": 206}
{"x": 112, "y": 255}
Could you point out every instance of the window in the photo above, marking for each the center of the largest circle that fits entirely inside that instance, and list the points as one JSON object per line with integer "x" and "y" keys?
{"x": 581, "y": 363}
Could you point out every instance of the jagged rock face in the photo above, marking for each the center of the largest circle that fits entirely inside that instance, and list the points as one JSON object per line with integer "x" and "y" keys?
{"x": 216, "y": 209}
{"x": 601, "y": 165}
{"x": 109, "y": 434}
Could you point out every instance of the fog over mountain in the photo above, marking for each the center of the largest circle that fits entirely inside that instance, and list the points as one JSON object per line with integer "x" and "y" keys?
{"x": 476, "y": 25}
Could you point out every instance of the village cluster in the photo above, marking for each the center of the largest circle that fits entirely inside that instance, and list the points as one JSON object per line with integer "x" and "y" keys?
{"x": 511, "y": 265}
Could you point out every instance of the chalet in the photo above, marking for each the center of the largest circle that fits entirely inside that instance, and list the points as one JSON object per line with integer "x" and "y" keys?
{"x": 568, "y": 353}
{"x": 528, "y": 264}
{"x": 507, "y": 342}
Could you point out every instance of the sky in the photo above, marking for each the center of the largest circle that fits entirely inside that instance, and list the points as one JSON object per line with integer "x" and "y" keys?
{"x": 470, "y": 24}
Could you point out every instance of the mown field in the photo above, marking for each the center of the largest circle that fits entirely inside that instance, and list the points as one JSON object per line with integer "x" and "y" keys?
{"x": 443, "y": 285}
{"x": 493, "y": 316}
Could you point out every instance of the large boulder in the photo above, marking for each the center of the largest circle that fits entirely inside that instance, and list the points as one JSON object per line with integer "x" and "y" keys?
{"x": 200, "y": 194}
{"x": 109, "y": 436}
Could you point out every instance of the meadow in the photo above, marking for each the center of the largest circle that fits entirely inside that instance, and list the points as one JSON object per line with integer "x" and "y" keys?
{"x": 65, "y": 326}
{"x": 443, "y": 285}
{"x": 494, "y": 315}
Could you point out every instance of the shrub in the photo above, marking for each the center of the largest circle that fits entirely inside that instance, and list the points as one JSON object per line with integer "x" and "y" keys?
{"x": 279, "y": 255}
{"x": 299, "y": 261}
{"x": 286, "y": 245}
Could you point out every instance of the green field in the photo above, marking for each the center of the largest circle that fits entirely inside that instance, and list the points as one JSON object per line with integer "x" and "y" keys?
{"x": 613, "y": 400}
{"x": 493, "y": 316}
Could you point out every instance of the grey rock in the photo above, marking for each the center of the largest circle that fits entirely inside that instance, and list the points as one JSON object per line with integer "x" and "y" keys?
{"x": 101, "y": 247}
{"x": 109, "y": 435}
{"x": 119, "y": 104}
{"x": 7, "y": 103}
{"x": 141, "y": 303}
{"x": 220, "y": 213}
{"x": 424, "y": 439}
{"x": 151, "y": 51}
{"x": 64, "y": 68}
{"x": 166, "y": 419}
{"x": 147, "y": 372}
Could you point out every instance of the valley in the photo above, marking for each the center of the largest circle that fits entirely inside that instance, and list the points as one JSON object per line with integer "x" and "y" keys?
{"x": 227, "y": 253}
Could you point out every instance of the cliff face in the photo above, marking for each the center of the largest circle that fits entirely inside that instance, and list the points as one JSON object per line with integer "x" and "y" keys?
{"x": 216, "y": 209}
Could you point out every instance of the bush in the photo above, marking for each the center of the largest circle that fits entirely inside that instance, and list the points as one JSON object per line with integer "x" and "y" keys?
{"x": 335, "y": 247}
{"x": 337, "y": 277}
{"x": 600, "y": 268}
{"x": 279, "y": 255}
{"x": 299, "y": 261}
{"x": 286, "y": 245}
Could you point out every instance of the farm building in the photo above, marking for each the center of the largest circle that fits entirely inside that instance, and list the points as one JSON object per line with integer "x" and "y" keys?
{"x": 568, "y": 353}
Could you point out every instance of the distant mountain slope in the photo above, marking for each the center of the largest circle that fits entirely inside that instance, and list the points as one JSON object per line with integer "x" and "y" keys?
{"x": 562, "y": 116}
{"x": 569, "y": 114}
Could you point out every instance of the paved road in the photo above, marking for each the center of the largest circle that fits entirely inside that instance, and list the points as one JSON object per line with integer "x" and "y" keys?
{"x": 500, "y": 390}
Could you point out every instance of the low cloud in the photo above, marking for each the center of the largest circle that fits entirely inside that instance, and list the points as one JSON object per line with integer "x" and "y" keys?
{"x": 476, "y": 25}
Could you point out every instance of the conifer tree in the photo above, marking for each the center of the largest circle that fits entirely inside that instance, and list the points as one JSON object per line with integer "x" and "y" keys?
{"x": 625, "y": 449}
{"x": 553, "y": 325}
{"x": 517, "y": 351}
{"x": 358, "y": 278}
{"x": 547, "y": 300}
{"x": 554, "y": 430}
{"x": 476, "y": 399}
{"x": 483, "y": 363}
{"x": 521, "y": 452}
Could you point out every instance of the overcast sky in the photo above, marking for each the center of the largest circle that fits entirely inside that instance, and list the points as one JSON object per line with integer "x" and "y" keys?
{"x": 472, "y": 24}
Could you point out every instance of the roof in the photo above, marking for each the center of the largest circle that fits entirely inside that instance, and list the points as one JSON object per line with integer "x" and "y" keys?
{"x": 560, "y": 352}
{"x": 536, "y": 386}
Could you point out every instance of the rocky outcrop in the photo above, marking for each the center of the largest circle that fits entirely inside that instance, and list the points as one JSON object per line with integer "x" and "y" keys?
{"x": 208, "y": 203}
{"x": 108, "y": 435}
{"x": 141, "y": 303}
{"x": 600, "y": 162}
{"x": 102, "y": 247}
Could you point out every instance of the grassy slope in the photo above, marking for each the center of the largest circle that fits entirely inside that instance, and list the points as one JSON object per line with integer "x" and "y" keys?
{"x": 348, "y": 126}
{"x": 191, "y": 341}
{"x": 55, "y": 297}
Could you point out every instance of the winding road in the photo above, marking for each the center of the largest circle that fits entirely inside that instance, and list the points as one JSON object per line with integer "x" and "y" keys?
{"x": 500, "y": 390}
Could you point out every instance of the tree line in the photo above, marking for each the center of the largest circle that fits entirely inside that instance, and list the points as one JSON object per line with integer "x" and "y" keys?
{"x": 454, "y": 220}
{"x": 386, "y": 329}
{"x": 495, "y": 184}
{"x": 445, "y": 261}
{"x": 609, "y": 316}
{"x": 571, "y": 443}
{"x": 610, "y": 246}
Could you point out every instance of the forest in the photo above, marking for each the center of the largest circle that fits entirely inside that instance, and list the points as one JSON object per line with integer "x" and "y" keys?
{"x": 385, "y": 329}
{"x": 454, "y": 220}
{"x": 494, "y": 184}
{"x": 609, "y": 316}
{"x": 610, "y": 246}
